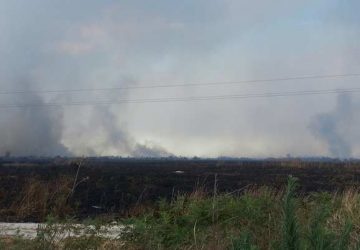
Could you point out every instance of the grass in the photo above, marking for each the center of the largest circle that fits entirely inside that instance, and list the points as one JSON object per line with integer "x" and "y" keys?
{"x": 290, "y": 227}
{"x": 38, "y": 199}
{"x": 257, "y": 219}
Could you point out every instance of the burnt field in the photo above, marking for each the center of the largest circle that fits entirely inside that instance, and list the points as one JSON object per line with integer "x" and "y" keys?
{"x": 31, "y": 189}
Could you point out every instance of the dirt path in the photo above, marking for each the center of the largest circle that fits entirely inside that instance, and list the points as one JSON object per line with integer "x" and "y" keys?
{"x": 30, "y": 230}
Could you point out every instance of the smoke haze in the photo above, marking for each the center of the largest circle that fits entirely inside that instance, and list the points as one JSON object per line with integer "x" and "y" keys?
{"x": 32, "y": 131}
{"x": 54, "y": 45}
{"x": 339, "y": 128}
{"x": 116, "y": 139}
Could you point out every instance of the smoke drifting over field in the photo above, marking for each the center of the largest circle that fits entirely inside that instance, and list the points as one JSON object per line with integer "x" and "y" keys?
{"x": 39, "y": 131}
{"x": 31, "y": 130}
{"x": 115, "y": 137}
{"x": 86, "y": 44}
{"x": 339, "y": 128}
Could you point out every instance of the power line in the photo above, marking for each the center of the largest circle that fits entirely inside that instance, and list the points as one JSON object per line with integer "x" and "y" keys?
{"x": 175, "y": 85}
{"x": 188, "y": 99}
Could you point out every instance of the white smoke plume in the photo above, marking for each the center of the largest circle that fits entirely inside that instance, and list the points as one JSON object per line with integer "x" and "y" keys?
{"x": 338, "y": 128}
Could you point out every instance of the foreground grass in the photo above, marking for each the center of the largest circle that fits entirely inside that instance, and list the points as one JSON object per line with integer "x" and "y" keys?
{"x": 257, "y": 219}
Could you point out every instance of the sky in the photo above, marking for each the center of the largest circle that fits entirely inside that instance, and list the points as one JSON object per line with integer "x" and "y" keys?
{"x": 88, "y": 44}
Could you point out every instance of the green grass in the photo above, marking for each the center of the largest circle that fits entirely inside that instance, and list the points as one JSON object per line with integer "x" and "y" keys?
{"x": 257, "y": 219}
{"x": 290, "y": 224}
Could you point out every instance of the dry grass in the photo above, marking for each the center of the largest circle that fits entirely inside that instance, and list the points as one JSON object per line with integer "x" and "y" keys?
{"x": 38, "y": 199}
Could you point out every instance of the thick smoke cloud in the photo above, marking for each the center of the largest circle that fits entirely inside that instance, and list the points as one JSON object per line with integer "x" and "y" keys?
{"x": 38, "y": 131}
{"x": 338, "y": 128}
{"x": 30, "y": 61}
{"x": 31, "y": 130}
{"x": 117, "y": 139}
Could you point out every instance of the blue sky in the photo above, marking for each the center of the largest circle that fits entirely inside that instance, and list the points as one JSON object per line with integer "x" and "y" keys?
{"x": 50, "y": 45}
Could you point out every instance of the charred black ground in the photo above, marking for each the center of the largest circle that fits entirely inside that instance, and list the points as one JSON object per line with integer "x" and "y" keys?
{"x": 113, "y": 185}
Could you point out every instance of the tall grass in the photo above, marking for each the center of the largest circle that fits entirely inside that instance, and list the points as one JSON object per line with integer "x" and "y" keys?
{"x": 291, "y": 234}
{"x": 257, "y": 219}
{"x": 38, "y": 199}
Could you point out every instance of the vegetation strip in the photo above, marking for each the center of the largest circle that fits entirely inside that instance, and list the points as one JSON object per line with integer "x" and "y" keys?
{"x": 259, "y": 218}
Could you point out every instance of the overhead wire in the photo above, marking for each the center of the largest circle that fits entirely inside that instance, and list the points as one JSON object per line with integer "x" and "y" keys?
{"x": 186, "y": 99}
{"x": 183, "y": 84}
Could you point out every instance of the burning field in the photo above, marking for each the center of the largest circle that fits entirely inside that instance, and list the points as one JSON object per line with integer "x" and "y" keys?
{"x": 31, "y": 189}
{"x": 107, "y": 203}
